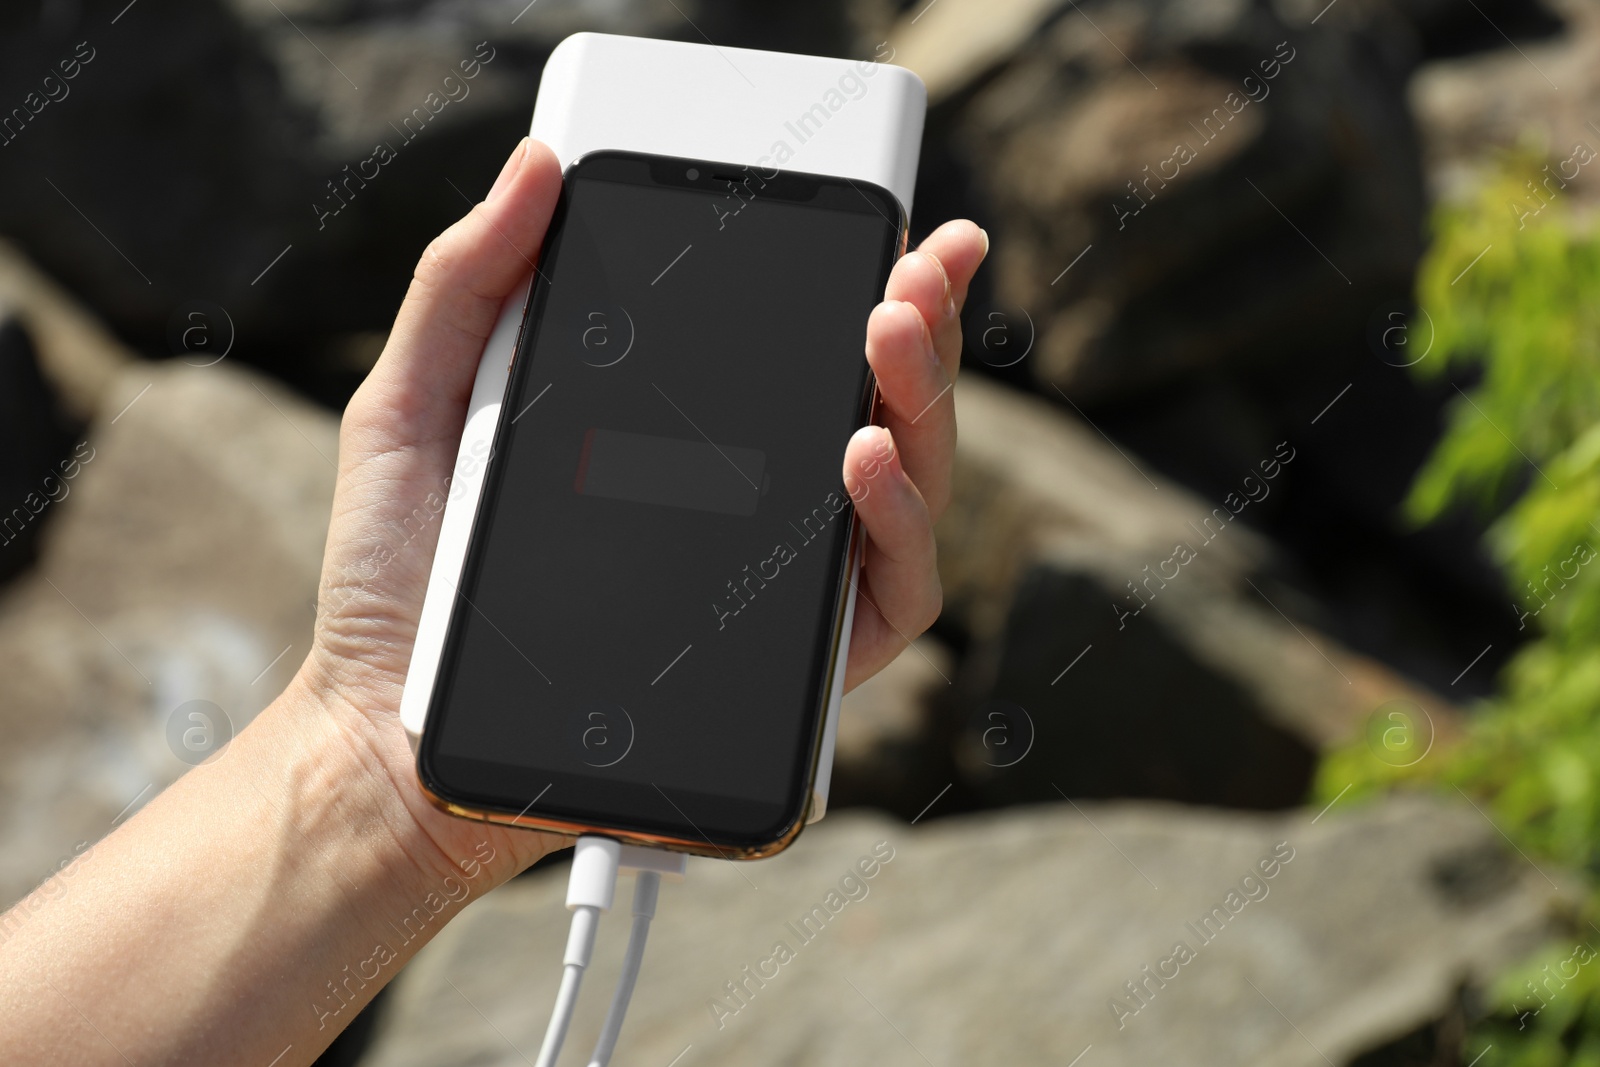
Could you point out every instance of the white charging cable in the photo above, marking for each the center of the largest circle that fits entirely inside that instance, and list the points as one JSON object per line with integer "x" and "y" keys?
{"x": 645, "y": 891}
{"x": 591, "y": 888}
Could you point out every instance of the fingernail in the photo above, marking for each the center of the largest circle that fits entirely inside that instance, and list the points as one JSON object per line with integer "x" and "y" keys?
{"x": 885, "y": 442}
{"x": 508, "y": 171}
{"x": 985, "y": 241}
{"x": 882, "y": 443}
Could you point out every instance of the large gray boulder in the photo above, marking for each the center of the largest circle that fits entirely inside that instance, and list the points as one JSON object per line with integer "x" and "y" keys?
{"x": 177, "y": 577}
{"x": 1128, "y": 637}
{"x": 1012, "y": 938}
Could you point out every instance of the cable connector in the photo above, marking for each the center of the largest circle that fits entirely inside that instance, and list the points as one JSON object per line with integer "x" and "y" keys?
{"x": 593, "y": 881}
{"x": 591, "y": 889}
{"x": 669, "y": 865}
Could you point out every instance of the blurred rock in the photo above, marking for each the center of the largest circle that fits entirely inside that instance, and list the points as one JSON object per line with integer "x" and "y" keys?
{"x": 1212, "y": 693}
{"x": 1177, "y": 148}
{"x": 954, "y": 48}
{"x": 1441, "y": 27}
{"x": 168, "y": 166}
{"x": 1362, "y": 935}
{"x": 1471, "y": 108}
{"x": 887, "y": 751}
{"x": 361, "y": 67}
{"x": 77, "y": 355}
{"x": 180, "y": 566}
{"x": 968, "y": 41}
{"x": 234, "y": 123}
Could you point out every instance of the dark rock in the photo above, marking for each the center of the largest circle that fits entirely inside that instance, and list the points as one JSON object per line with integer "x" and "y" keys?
{"x": 1299, "y": 193}
{"x": 1444, "y": 28}
{"x": 35, "y": 445}
{"x": 1141, "y": 714}
{"x": 1212, "y": 685}
{"x": 76, "y": 354}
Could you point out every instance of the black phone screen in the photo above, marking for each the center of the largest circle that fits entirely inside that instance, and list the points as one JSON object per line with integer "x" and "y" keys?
{"x": 642, "y": 631}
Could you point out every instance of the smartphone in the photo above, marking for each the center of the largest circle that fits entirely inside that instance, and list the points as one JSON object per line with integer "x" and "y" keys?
{"x": 649, "y": 615}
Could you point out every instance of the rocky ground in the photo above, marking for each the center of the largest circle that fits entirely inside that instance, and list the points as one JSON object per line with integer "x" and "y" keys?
{"x": 1015, "y": 938}
{"x": 1155, "y": 364}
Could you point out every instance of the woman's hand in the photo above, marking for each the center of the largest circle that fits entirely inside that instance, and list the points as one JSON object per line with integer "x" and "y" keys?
{"x": 400, "y": 435}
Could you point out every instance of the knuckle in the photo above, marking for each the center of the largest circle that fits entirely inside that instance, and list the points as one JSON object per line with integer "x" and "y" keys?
{"x": 439, "y": 261}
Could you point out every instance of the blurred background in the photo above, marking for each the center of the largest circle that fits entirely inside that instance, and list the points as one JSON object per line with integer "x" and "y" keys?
{"x": 1269, "y": 632}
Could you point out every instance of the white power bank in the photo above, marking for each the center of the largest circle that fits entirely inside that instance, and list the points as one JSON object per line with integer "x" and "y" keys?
{"x": 842, "y": 118}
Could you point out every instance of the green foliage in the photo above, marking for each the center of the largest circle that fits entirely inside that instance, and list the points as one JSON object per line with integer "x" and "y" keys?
{"x": 1511, "y": 286}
